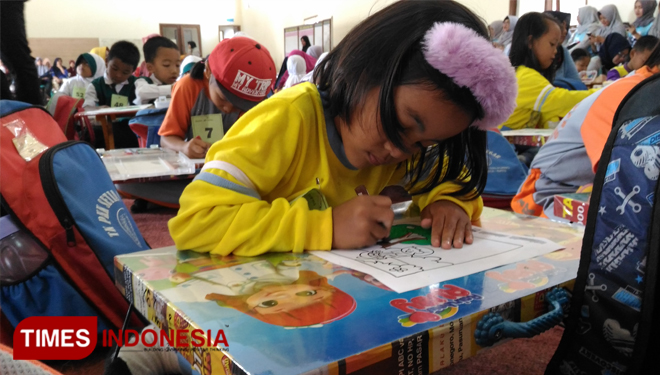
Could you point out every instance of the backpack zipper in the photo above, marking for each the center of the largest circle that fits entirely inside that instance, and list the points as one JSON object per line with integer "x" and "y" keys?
{"x": 52, "y": 191}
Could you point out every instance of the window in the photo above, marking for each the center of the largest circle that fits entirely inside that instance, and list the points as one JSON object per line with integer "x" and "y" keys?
{"x": 181, "y": 35}
{"x": 319, "y": 34}
{"x": 227, "y": 31}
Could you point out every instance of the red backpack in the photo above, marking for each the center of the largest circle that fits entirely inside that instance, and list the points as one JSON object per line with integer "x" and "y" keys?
{"x": 60, "y": 194}
{"x": 63, "y": 108}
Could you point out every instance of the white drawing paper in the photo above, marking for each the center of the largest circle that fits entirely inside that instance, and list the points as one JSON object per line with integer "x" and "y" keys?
{"x": 408, "y": 261}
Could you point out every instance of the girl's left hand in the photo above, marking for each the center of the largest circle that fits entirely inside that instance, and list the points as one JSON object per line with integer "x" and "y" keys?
{"x": 450, "y": 224}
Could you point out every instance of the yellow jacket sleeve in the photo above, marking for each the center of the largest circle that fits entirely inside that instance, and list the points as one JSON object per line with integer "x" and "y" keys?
{"x": 472, "y": 207}
{"x": 539, "y": 102}
{"x": 559, "y": 102}
{"x": 222, "y": 210}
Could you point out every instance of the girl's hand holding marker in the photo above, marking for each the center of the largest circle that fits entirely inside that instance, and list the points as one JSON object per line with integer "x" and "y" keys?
{"x": 362, "y": 221}
{"x": 373, "y": 217}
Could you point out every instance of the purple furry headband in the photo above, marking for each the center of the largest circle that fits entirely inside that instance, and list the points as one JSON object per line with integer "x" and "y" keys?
{"x": 471, "y": 61}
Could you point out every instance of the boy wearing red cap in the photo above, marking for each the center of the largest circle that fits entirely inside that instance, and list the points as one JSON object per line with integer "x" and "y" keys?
{"x": 206, "y": 103}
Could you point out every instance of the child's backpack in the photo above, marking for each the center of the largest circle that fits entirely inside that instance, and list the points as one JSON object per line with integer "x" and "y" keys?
{"x": 613, "y": 320}
{"x": 505, "y": 172}
{"x": 145, "y": 125}
{"x": 63, "y": 108}
{"x": 569, "y": 84}
{"x": 60, "y": 195}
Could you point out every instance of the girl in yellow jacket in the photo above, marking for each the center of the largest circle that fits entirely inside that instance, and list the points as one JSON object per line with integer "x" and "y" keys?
{"x": 412, "y": 110}
{"x": 533, "y": 50}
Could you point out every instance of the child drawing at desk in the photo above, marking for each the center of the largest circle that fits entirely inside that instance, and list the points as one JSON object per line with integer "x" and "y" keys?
{"x": 403, "y": 99}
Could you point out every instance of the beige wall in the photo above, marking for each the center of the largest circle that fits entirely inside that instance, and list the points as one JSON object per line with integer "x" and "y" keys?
{"x": 66, "y": 48}
{"x": 625, "y": 7}
{"x": 265, "y": 20}
{"x": 112, "y": 20}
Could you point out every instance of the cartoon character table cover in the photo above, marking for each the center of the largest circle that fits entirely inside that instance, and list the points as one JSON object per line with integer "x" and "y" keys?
{"x": 285, "y": 313}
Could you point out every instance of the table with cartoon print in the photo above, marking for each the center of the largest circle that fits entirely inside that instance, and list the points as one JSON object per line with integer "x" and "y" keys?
{"x": 105, "y": 116}
{"x": 527, "y": 137}
{"x": 285, "y": 313}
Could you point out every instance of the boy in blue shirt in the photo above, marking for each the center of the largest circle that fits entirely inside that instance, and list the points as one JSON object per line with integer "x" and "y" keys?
{"x": 163, "y": 62}
{"x": 116, "y": 89}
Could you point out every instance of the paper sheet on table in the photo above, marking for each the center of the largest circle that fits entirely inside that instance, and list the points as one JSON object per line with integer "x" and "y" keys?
{"x": 527, "y": 132}
{"x": 144, "y": 167}
{"x": 409, "y": 262}
{"x": 111, "y": 110}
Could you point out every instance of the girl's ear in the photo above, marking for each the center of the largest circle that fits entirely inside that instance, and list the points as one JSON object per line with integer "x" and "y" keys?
{"x": 207, "y": 70}
{"x": 529, "y": 42}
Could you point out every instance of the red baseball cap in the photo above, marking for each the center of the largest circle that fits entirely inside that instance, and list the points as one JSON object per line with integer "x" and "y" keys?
{"x": 244, "y": 71}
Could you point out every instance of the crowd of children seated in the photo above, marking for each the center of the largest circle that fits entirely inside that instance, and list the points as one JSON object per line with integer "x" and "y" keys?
{"x": 374, "y": 114}
{"x": 557, "y": 68}
{"x": 602, "y": 51}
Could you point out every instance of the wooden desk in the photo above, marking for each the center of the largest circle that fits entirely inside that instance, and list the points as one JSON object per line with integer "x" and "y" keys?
{"x": 376, "y": 337}
{"x": 527, "y": 137}
{"x": 107, "y": 115}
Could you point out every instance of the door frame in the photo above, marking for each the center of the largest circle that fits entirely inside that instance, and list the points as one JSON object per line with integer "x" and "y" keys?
{"x": 181, "y": 43}
{"x": 221, "y": 27}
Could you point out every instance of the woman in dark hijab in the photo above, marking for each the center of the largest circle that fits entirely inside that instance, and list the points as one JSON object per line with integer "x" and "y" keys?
{"x": 305, "y": 43}
{"x": 58, "y": 73}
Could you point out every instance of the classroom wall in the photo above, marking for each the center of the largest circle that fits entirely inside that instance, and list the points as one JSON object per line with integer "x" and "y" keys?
{"x": 66, "y": 48}
{"x": 112, "y": 20}
{"x": 265, "y": 20}
{"x": 626, "y": 7}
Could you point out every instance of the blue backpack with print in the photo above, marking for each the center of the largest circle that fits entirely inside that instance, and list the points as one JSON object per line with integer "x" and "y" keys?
{"x": 505, "y": 171}
{"x": 613, "y": 320}
{"x": 569, "y": 84}
{"x": 67, "y": 224}
{"x": 145, "y": 124}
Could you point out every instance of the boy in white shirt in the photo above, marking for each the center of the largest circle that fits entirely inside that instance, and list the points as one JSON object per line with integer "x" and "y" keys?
{"x": 163, "y": 61}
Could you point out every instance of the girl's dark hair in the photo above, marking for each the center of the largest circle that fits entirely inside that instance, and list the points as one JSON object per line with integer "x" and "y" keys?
{"x": 197, "y": 71}
{"x": 385, "y": 51}
{"x": 654, "y": 58}
{"x": 535, "y": 25}
{"x": 192, "y": 44}
{"x": 307, "y": 43}
{"x": 579, "y": 53}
